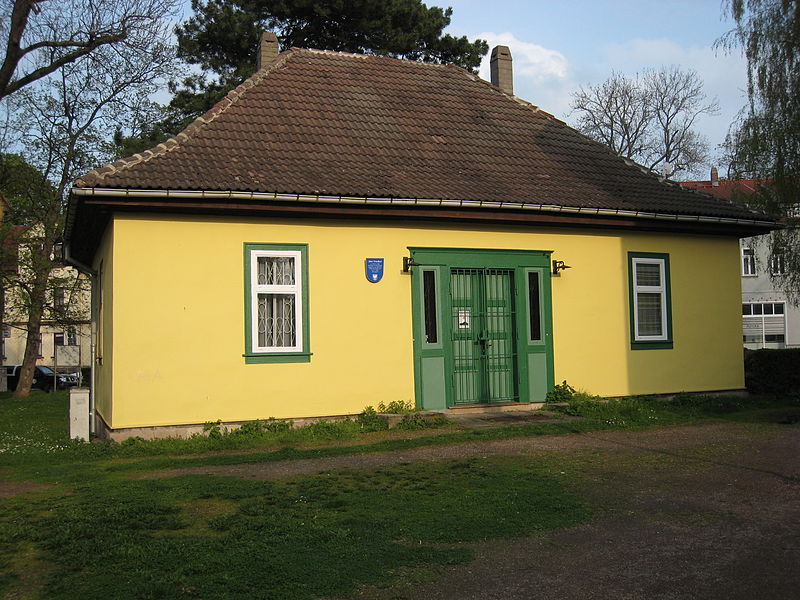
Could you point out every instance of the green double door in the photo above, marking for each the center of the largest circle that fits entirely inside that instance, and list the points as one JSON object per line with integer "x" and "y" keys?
{"x": 482, "y": 336}
{"x": 482, "y": 326}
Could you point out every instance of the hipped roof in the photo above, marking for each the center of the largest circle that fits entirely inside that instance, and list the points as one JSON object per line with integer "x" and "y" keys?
{"x": 328, "y": 124}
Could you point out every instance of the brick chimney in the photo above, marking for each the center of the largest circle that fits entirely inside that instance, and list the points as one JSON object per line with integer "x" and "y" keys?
{"x": 267, "y": 49}
{"x": 714, "y": 177}
{"x": 502, "y": 75}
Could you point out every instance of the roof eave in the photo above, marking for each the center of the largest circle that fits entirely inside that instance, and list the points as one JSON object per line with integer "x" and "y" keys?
{"x": 427, "y": 202}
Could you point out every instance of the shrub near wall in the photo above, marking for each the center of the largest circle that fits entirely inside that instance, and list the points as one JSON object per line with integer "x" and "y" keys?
{"x": 772, "y": 371}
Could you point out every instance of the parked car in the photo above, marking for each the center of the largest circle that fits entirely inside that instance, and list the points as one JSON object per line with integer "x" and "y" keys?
{"x": 43, "y": 378}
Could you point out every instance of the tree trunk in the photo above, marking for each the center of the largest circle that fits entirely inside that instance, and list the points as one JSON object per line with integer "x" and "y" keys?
{"x": 38, "y": 298}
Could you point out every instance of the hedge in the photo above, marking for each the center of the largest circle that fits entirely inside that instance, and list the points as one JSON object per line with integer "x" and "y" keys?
{"x": 772, "y": 371}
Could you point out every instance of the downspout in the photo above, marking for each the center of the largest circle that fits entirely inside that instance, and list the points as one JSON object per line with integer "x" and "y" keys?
{"x": 86, "y": 269}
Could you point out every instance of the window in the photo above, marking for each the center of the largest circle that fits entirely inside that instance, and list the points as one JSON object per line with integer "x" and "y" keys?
{"x": 651, "y": 311}
{"x": 276, "y": 303}
{"x": 777, "y": 264}
{"x": 429, "y": 306}
{"x": 748, "y": 262}
{"x": 764, "y": 323}
{"x": 534, "y": 307}
{"x": 58, "y": 298}
{"x": 72, "y": 336}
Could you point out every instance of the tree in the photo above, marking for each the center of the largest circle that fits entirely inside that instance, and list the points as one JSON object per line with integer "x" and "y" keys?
{"x": 765, "y": 144}
{"x": 222, "y": 38}
{"x": 43, "y": 36}
{"x": 648, "y": 118}
{"x": 61, "y": 125}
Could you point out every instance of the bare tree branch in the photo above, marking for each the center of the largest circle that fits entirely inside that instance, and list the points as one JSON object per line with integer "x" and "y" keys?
{"x": 42, "y": 36}
{"x": 648, "y": 118}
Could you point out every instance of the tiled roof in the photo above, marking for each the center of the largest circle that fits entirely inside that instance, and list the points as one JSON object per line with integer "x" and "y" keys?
{"x": 334, "y": 124}
{"x": 725, "y": 188}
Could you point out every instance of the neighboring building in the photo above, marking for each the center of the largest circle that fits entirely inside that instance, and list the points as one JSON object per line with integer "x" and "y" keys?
{"x": 65, "y": 342}
{"x": 65, "y": 348}
{"x": 343, "y": 230}
{"x": 769, "y": 319}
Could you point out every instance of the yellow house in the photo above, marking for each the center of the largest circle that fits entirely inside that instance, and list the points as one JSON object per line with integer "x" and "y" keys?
{"x": 343, "y": 230}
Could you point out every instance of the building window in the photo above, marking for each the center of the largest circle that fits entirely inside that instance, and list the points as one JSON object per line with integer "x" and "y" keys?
{"x": 534, "y": 306}
{"x": 39, "y": 347}
{"x": 58, "y": 298}
{"x": 764, "y": 323}
{"x": 777, "y": 264}
{"x": 276, "y": 299}
{"x": 429, "y": 307}
{"x": 748, "y": 262}
{"x": 651, "y": 310}
{"x": 72, "y": 336}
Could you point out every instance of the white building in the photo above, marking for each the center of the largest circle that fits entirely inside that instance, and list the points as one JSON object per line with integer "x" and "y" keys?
{"x": 769, "y": 320}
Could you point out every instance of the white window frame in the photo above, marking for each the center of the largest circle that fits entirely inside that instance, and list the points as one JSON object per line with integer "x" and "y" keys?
{"x": 650, "y": 289}
{"x": 748, "y": 262}
{"x": 296, "y": 290}
{"x": 779, "y": 261}
{"x": 762, "y": 317}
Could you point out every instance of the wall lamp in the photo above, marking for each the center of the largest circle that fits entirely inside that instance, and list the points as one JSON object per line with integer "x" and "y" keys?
{"x": 409, "y": 262}
{"x": 558, "y": 266}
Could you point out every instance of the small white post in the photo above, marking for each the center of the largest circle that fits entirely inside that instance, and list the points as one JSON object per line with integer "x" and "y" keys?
{"x": 79, "y": 413}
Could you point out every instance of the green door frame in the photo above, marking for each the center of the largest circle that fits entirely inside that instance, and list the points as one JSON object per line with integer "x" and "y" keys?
{"x": 433, "y": 349}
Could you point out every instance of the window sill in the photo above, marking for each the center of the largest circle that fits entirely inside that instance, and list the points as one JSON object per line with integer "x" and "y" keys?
{"x": 287, "y": 357}
{"x": 666, "y": 345}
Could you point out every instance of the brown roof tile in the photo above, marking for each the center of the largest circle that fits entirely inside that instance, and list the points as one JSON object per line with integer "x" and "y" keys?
{"x": 333, "y": 124}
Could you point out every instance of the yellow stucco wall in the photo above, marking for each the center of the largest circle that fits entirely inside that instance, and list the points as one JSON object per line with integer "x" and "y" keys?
{"x": 178, "y": 316}
{"x": 103, "y": 264}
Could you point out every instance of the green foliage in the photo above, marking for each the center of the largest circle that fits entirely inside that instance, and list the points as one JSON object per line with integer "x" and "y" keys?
{"x": 25, "y": 188}
{"x": 214, "y": 430}
{"x": 414, "y": 421}
{"x": 128, "y": 145}
{"x": 222, "y": 37}
{"x": 397, "y": 407}
{"x": 621, "y": 413}
{"x": 561, "y": 392}
{"x": 765, "y": 144}
{"x": 772, "y": 371}
{"x": 259, "y": 427}
{"x": 369, "y": 420}
{"x": 716, "y": 404}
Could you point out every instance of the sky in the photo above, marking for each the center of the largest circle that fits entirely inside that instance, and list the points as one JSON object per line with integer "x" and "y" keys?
{"x": 558, "y": 46}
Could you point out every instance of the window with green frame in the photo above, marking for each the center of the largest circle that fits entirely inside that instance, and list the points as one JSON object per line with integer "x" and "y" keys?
{"x": 276, "y": 303}
{"x": 650, "y": 300}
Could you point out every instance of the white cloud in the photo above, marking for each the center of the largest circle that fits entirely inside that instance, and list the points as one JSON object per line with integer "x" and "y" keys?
{"x": 531, "y": 61}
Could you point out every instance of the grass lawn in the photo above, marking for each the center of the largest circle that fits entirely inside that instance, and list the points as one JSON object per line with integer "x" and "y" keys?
{"x": 94, "y": 532}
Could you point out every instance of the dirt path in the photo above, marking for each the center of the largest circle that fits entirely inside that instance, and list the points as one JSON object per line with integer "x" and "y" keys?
{"x": 709, "y": 511}
{"x": 657, "y": 440}
{"x": 15, "y": 487}
{"x": 686, "y": 513}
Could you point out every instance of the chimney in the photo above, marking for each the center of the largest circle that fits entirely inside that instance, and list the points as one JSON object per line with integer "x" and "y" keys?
{"x": 714, "y": 177}
{"x": 267, "y": 49}
{"x": 502, "y": 75}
